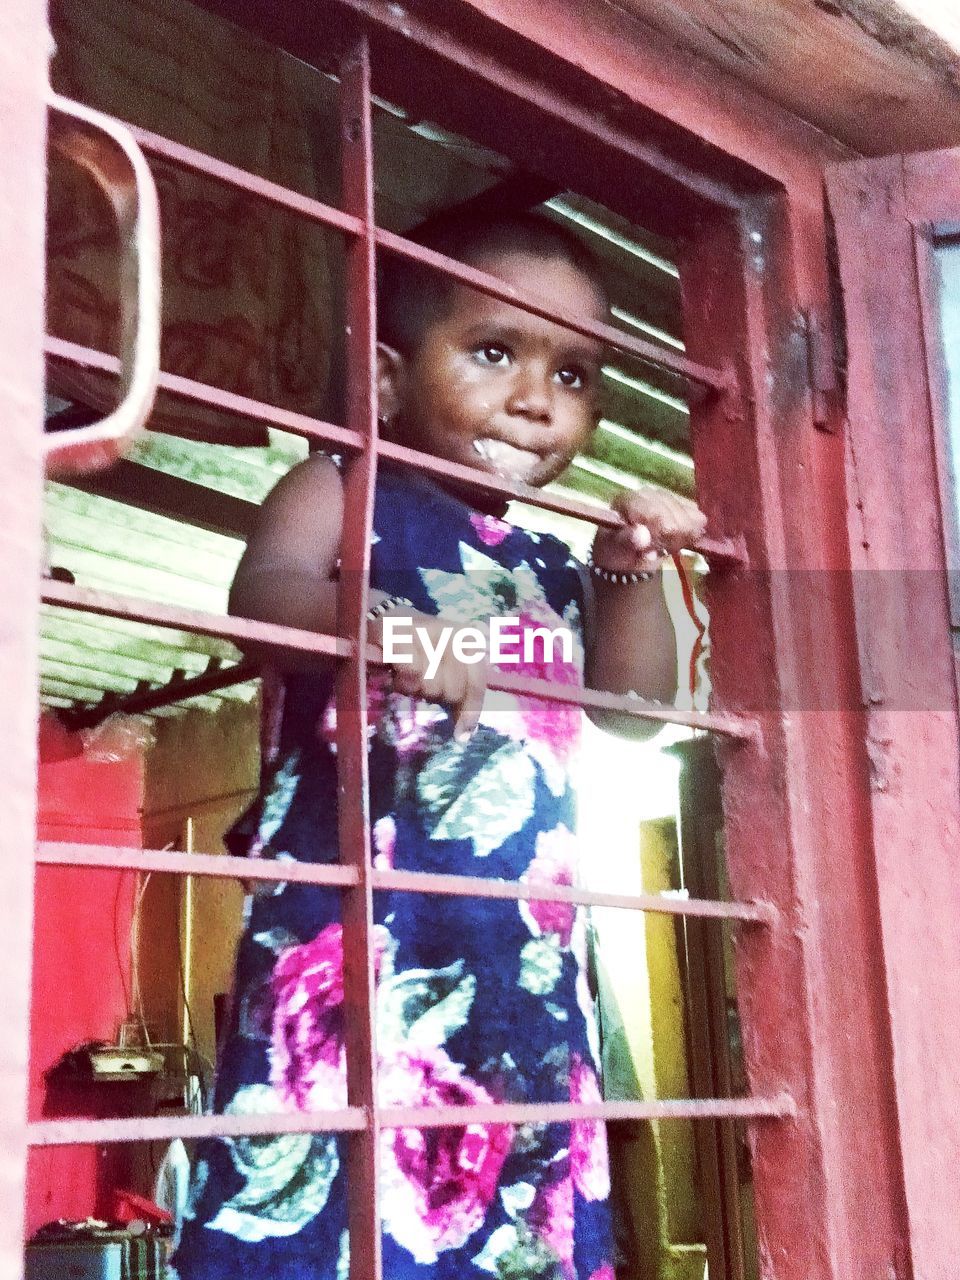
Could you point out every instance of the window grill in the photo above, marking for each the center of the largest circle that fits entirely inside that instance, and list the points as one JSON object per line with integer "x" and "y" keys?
{"x": 356, "y": 877}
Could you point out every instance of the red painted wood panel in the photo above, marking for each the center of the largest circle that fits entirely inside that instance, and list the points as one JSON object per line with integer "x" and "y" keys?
{"x": 81, "y": 964}
{"x": 907, "y": 663}
{"x": 810, "y": 991}
{"x": 24, "y": 49}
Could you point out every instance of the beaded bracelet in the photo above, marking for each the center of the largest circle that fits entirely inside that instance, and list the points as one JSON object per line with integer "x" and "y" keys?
{"x": 620, "y": 578}
{"x": 386, "y": 604}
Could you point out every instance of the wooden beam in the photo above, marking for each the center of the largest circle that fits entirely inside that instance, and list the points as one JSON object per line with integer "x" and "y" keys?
{"x": 884, "y": 81}
{"x": 167, "y": 495}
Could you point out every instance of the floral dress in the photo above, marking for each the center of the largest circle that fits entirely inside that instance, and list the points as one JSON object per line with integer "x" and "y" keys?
{"x": 478, "y": 1000}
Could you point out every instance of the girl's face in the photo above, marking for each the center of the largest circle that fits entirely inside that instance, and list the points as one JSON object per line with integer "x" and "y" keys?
{"x": 496, "y": 388}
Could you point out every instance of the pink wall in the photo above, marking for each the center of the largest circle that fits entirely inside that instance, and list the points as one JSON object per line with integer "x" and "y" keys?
{"x": 81, "y": 964}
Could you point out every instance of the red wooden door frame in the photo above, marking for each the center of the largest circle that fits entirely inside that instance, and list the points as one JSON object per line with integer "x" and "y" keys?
{"x": 884, "y": 211}
{"x": 23, "y": 70}
{"x": 829, "y": 1200}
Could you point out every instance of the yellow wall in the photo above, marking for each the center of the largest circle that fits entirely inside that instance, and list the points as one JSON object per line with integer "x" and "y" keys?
{"x": 654, "y": 1163}
{"x": 628, "y": 799}
{"x": 200, "y": 775}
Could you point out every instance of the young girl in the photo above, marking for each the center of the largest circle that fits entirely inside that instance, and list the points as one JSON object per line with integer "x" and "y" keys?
{"x": 479, "y": 1000}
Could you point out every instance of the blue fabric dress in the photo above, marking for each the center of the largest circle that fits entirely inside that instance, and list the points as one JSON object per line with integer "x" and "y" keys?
{"x": 478, "y": 1000}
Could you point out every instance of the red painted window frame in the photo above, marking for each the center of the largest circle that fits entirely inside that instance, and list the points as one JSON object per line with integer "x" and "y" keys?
{"x": 741, "y": 182}
{"x": 888, "y": 213}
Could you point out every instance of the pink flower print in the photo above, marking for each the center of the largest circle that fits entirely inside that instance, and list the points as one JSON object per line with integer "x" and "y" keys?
{"x": 384, "y": 842}
{"x": 588, "y": 1138}
{"x": 553, "y": 864}
{"x": 551, "y": 1218}
{"x": 606, "y": 1272}
{"x": 410, "y": 723}
{"x": 327, "y": 728}
{"x": 490, "y": 530}
{"x": 554, "y": 723}
{"x": 437, "y": 1183}
{"x": 308, "y": 1065}
{"x": 378, "y": 687}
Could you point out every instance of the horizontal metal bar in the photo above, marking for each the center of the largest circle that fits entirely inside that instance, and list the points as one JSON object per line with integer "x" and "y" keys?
{"x": 189, "y": 158}
{"x": 291, "y": 640}
{"x": 737, "y": 728}
{"x": 650, "y": 352}
{"x": 780, "y": 1107}
{"x": 475, "y": 887}
{"x": 214, "y": 397}
{"x": 51, "y": 1133}
{"x": 76, "y": 1133}
{"x": 239, "y": 630}
{"x": 719, "y": 552}
{"x": 52, "y": 853}
{"x": 639, "y": 150}
{"x": 220, "y": 866}
{"x": 700, "y": 375}
{"x": 723, "y": 553}
{"x": 483, "y": 481}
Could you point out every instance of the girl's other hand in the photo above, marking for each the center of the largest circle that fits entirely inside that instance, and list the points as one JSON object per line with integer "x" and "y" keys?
{"x": 657, "y": 523}
{"x": 433, "y": 671}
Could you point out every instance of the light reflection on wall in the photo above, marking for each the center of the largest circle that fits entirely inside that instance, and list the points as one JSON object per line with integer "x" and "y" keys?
{"x": 620, "y": 785}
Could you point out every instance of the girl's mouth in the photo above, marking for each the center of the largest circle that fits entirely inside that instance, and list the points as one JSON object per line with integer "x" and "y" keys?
{"x": 509, "y": 462}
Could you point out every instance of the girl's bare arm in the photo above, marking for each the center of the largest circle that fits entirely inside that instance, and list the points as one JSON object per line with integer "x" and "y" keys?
{"x": 635, "y": 647}
{"x": 287, "y": 572}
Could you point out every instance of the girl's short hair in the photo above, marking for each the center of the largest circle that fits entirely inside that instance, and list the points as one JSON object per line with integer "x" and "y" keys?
{"x": 411, "y": 297}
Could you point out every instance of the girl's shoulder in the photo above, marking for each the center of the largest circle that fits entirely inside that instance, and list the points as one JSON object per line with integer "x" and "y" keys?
{"x": 319, "y": 472}
{"x": 300, "y": 518}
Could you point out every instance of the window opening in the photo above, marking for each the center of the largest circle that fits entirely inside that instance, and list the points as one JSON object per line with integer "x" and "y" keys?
{"x": 159, "y": 617}
{"x": 945, "y": 251}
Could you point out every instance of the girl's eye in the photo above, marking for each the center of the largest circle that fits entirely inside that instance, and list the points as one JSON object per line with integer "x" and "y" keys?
{"x": 493, "y": 354}
{"x": 572, "y": 377}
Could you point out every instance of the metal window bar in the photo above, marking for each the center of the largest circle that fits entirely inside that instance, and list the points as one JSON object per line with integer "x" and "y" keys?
{"x": 363, "y": 1118}
{"x": 358, "y": 1121}
{"x": 222, "y": 866}
{"x": 151, "y": 698}
{"x": 298, "y": 424}
{"x": 291, "y": 640}
{"x": 664, "y": 357}
{"x": 719, "y": 552}
{"x": 363, "y": 1169}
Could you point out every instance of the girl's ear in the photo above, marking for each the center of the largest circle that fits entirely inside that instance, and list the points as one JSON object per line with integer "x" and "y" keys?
{"x": 391, "y": 377}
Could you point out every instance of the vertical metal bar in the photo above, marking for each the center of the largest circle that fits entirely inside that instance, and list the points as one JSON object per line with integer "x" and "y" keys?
{"x": 354, "y": 800}
{"x": 23, "y": 55}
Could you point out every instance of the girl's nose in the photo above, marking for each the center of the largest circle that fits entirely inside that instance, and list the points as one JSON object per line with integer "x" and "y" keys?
{"x": 531, "y": 396}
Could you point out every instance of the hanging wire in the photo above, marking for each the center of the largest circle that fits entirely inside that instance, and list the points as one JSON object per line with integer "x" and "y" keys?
{"x": 136, "y": 994}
